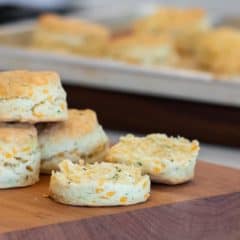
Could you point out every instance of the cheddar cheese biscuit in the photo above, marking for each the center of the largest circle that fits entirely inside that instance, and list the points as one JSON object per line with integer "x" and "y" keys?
{"x": 99, "y": 184}
{"x": 27, "y": 96}
{"x": 167, "y": 159}
{"x": 80, "y": 136}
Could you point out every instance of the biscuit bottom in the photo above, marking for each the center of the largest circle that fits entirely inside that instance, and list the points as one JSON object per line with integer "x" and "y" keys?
{"x": 23, "y": 174}
{"x": 99, "y": 184}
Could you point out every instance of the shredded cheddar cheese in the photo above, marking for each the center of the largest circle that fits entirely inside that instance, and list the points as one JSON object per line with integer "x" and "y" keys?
{"x": 123, "y": 199}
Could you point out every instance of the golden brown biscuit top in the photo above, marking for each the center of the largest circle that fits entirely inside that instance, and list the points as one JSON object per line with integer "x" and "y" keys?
{"x": 221, "y": 37}
{"x": 142, "y": 40}
{"x": 218, "y": 51}
{"x": 57, "y": 23}
{"x": 20, "y": 83}
{"x": 79, "y": 123}
{"x": 171, "y": 18}
{"x": 17, "y": 133}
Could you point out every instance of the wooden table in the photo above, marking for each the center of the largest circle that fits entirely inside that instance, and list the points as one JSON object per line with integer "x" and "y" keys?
{"x": 207, "y": 208}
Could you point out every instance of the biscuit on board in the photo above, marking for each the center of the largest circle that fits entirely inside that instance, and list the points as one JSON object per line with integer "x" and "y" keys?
{"x": 166, "y": 159}
{"x": 99, "y": 184}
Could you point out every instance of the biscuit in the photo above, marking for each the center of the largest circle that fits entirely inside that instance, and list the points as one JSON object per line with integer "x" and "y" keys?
{"x": 172, "y": 20}
{"x": 70, "y": 35}
{"x": 19, "y": 155}
{"x": 144, "y": 49}
{"x": 31, "y": 97}
{"x": 218, "y": 51}
{"x": 184, "y": 25}
{"x": 99, "y": 184}
{"x": 80, "y": 136}
{"x": 166, "y": 159}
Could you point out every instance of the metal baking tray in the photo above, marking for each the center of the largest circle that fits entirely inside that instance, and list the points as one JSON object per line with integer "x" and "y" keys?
{"x": 112, "y": 75}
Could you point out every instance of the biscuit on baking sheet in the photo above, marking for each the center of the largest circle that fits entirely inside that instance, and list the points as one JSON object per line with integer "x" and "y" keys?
{"x": 144, "y": 49}
{"x": 185, "y": 25}
{"x": 64, "y": 34}
{"x": 166, "y": 159}
{"x": 27, "y": 96}
{"x": 80, "y": 136}
{"x": 172, "y": 20}
{"x": 99, "y": 184}
{"x": 218, "y": 51}
{"x": 19, "y": 155}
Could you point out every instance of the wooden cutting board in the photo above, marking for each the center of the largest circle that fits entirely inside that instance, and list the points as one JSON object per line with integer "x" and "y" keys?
{"x": 206, "y": 208}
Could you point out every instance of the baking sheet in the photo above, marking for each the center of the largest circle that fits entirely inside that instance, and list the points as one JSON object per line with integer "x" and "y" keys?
{"x": 117, "y": 76}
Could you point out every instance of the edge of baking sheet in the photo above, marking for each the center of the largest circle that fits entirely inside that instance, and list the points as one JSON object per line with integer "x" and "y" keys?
{"x": 122, "y": 77}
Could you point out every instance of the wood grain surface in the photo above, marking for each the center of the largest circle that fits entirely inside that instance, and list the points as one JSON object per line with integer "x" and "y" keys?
{"x": 131, "y": 112}
{"x": 27, "y": 212}
{"x": 214, "y": 218}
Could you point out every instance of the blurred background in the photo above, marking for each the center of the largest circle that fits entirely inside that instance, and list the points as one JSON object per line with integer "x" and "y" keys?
{"x": 215, "y": 124}
{"x": 22, "y": 9}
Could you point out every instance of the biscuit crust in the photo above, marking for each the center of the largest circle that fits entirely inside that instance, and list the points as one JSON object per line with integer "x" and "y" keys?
{"x": 27, "y": 96}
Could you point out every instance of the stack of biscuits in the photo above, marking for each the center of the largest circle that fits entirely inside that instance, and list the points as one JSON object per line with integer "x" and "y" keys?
{"x": 36, "y": 125}
{"x": 39, "y": 134}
